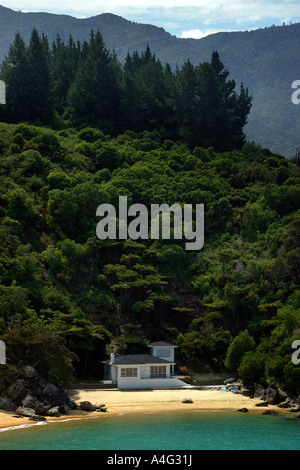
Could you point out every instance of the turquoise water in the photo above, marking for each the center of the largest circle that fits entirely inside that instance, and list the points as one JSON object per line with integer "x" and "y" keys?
{"x": 178, "y": 431}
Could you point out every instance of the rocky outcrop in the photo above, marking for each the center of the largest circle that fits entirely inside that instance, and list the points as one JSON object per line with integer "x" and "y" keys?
{"x": 259, "y": 392}
{"x": 271, "y": 396}
{"x": 268, "y": 395}
{"x": 33, "y": 396}
{"x": 87, "y": 406}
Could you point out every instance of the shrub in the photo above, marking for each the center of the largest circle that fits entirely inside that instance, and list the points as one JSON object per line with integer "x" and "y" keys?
{"x": 26, "y": 131}
{"x": 8, "y": 374}
{"x": 86, "y": 148}
{"x": 34, "y": 163}
{"x": 252, "y": 367}
{"x": 108, "y": 157}
{"x": 241, "y": 344}
{"x": 49, "y": 146}
{"x": 90, "y": 134}
{"x": 18, "y": 139}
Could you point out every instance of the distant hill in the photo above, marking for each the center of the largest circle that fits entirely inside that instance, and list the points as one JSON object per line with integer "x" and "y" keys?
{"x": 267, "y": 61}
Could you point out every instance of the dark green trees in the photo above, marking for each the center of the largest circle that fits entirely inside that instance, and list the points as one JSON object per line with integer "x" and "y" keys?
{"x": 64, "y": 63}
{"x": 26, "y": 73}
{"x": 87, "y": 85}
{"x": 209, "y": 112}
{"x": 39, "y": 78}
{"x": 147, "y": 94}
{"x": 14, "y": 71}
{"x": 94, "y": 95}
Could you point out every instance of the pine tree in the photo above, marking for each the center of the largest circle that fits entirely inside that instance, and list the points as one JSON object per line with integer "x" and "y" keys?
{"x": 94, "y": 96}
{"x": 209, "y": 111}
{"x": 187, "y": 102}
{"x": 238, "y": 106}
{"x": 241, "y": 107}
{"x": 145, "y": 93}
{"x": 15, "y": 73}
{"x": 39, "y": 76}
{"x": 64, "y": 62}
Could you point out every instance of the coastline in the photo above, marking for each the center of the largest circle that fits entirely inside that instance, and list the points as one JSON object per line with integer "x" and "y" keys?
{"x": 145, "y": 401}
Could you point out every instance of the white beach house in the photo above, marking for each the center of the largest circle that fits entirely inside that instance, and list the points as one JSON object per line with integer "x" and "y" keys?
{"x": 154, "y": 370}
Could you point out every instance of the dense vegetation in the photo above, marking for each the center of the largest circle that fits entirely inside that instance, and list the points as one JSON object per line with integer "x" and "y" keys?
{"x": 266, "y": 59}
{"x": 86, "y": 85}
{"x": 67, "y": 298}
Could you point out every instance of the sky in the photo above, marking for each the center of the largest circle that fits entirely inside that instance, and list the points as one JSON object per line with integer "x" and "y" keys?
{"x": 182, "y": 18}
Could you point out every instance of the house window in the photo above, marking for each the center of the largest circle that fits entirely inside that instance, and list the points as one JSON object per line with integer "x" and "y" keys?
{"x": 158, "y": 371}
{"x": 163, "y": 352}
{"x": 129, "y": 372}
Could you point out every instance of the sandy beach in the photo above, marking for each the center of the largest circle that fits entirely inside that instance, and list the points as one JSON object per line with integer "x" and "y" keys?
{"x": 143, "y": 401}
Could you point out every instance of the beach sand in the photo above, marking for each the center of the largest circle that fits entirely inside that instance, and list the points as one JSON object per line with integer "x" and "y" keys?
{"x": 139, "y": 401}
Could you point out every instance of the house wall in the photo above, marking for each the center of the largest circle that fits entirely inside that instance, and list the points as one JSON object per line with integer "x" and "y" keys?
{"x": 155, "y": 352}
{"x": 151, "y": 383}
{"x": 143, "y": 379}
{"x": 114, "y": 374}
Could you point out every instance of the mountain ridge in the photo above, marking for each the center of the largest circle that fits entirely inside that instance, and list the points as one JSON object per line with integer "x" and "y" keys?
{"x": 265, "y": 60}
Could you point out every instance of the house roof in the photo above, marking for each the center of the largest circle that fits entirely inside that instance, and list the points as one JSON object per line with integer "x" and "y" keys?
{"x": 136, "y": 359}
{"x": 161, "y": 343}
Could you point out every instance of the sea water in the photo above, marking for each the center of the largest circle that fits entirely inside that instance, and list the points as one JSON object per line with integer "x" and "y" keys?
{"x": 202, "y": 430}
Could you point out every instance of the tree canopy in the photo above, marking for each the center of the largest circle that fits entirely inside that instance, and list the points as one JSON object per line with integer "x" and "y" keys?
{"x": 86, "y": 84}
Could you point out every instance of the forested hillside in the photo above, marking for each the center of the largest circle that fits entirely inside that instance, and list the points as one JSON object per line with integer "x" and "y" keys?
{"x": 70, "y": 84}
{"x": 68, "y": 298}
{"x": 267, "y": 60}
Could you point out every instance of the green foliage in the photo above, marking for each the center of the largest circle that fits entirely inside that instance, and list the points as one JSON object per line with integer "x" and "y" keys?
{"x": 87, "y": 85}
{"x": 8, "y": 374}
{"x": 31, "y": 345}
{"x": 252, "y": 367}
{"x": 239, "y": 346}
{"x": 80, "y": 295}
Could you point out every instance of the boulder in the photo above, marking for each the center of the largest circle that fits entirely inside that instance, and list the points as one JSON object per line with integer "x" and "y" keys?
{"x": 270, "y": 412}
{"x": 17, "y": 391}
{"x": 259, "y": 392}
{"x": 297, "y": 415}
{"x": 87, "y": 406}
{"x": 282, "y": 394}
{"x": 243, "y": 410}
{"x": 295, "y": 409}
{"x": 285, "y": 404}
{"x": 54, "y": 412}
{"x": 54, "y": 395}
{"x": 72, "y": 404}
{"x": 37, "y": 418}
{"x": 29, "y": 373}
{"x": 187, "y": 400}
{"x": 29, "y": 401}
{"x": 262, "y": 403}
{"x": 42, "y": 408}
{"x": 247, "y": 392}
{"x": 7, "y": 404}
{"x": 271, "y": 395}
{"x": 23, "y": 411}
